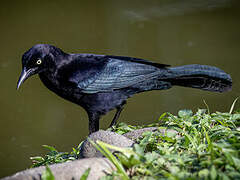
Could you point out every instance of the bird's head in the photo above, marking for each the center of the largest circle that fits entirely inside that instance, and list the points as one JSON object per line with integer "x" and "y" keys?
{"x": 39, "y": 58}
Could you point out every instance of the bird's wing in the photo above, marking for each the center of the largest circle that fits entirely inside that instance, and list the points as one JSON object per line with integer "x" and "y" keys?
{"x": 120, "y": 73}
{"x": 138, "y": 60}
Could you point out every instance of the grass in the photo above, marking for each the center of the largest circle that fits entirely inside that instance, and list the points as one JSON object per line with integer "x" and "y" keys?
{"x": 204, "y": 146}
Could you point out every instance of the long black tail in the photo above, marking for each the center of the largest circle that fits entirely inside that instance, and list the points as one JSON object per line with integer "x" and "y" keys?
{"x": 203, "y": 77}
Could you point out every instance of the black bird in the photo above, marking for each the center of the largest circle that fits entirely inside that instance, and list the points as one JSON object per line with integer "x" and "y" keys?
{"x": 100, "y": 83}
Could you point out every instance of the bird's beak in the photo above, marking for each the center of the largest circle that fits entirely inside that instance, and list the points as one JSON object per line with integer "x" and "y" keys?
{"x": 24, "y": 75}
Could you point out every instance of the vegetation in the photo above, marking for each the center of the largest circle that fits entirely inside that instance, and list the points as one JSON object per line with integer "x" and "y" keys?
{"x": 203, "y": 146}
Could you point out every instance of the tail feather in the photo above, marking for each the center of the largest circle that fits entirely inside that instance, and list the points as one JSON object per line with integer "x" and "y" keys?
{"x": 203, "y": 77}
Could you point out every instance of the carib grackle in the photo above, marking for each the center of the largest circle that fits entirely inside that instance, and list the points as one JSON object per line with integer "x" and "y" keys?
{"x": 100, "y": 83}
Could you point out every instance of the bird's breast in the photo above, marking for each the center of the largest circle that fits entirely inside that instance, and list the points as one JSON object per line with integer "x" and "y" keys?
{"x": 61, "y": 89}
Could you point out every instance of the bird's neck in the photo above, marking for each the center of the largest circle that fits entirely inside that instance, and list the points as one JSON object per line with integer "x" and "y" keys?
{"x": 51, "y": 74}
{"x": 48, "y": 79}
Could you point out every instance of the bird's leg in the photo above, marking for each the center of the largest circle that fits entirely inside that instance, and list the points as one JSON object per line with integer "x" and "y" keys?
{"x": 93, "y": 122}
{"x": 117, "y": 114}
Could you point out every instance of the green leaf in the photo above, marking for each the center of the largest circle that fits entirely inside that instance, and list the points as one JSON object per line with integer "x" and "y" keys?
{"x": 85, "y": 174}
{"x": 47, "y": 174}
{"x": 102, "y": 147}
{"x": 162, "y": 116}
{"x": 213, "y": 173}
{"x": 138, "y": 149}
{"x": 146, "y": 140}
{"x": 236, "y": 116}
{"x": 185, "y": 113}
{"x": 203, "y": 173}
{"x": 51, "y": 148}
{"x": 37, "y": 158}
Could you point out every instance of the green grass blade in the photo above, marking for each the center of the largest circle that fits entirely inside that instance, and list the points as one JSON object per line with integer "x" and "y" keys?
{"x": 233, "y": 104}
{"x": 47, "y": 174}
{"x": 85, "y": 174}
{"x": 101, "y": 146}
{"x": 51, "y": 148}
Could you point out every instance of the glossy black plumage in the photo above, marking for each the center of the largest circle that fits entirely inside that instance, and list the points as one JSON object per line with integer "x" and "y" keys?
{"x": 100, "y": 83}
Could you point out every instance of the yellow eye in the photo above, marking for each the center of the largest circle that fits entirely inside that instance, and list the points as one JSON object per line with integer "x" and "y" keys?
{"x": 39, "y": 61}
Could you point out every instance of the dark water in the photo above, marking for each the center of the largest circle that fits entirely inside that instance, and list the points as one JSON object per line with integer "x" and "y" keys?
{"x": 171, "y": 32}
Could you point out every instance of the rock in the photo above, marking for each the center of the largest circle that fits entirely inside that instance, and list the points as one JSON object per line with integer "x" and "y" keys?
{"x": 68, "y": 170}
{"x": 87, "y": 150}
{"x": 134, "y": 135}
